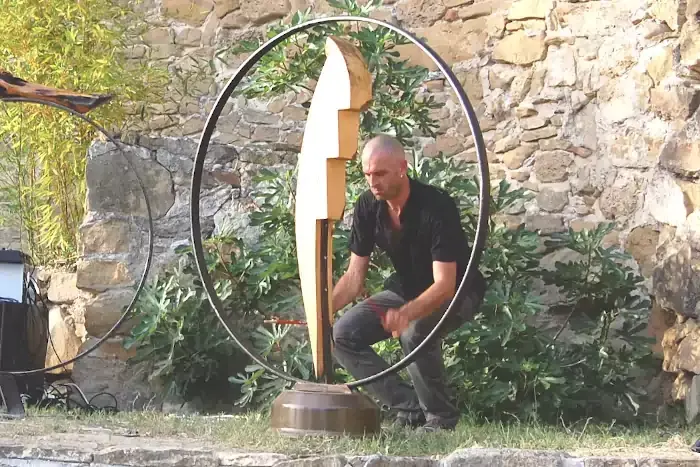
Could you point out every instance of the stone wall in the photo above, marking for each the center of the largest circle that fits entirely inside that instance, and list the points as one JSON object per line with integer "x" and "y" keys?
{"x": 592, "y": 105}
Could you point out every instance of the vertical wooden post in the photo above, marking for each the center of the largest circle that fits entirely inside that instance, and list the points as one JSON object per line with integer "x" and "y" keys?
{"x": 343, "y": 91}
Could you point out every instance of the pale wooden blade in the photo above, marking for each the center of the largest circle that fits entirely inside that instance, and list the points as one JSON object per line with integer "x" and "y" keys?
{"x": 344, "y": 89}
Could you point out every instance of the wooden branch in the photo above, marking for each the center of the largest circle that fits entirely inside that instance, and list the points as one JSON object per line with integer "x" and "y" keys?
{"x": 11, "y": 86}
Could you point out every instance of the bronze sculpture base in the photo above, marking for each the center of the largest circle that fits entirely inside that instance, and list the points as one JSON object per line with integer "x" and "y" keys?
{"x": 324, "y": 410}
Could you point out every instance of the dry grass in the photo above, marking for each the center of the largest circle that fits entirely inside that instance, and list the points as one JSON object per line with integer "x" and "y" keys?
{"x": 251, "y": 432}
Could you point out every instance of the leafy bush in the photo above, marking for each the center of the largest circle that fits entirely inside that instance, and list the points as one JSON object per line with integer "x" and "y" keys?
{"x": 503, "y": 363}
{"x": 180, "y": 340}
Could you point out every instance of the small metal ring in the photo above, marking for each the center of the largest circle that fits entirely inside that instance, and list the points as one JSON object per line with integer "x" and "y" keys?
{"x": 147, "y": 267}
{"x": 482, "y": 224}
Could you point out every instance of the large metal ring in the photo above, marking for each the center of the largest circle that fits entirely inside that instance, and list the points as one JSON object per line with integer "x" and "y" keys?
{"x": 482, "y": 225}
{"x": 146, "y": 269}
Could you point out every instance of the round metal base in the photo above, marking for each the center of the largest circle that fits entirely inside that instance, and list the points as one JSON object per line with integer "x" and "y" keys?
{"x": 324, "y": 410}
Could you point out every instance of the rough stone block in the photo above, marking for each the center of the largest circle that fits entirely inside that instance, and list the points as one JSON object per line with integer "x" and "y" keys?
{"x": 661, "y": 64}
{"x": 158, "y": 36}
{"x": 454, "y": 42}
{"x": 553, "y": 144}
{"x": 689, "y": 44}
{"x": 189, "y": 37}
{"x": 552, "y": 200}
{"x": 540, "y": 133}
{"x": 506, "y": 144}
{"x": 625, "y": 98}
{"x": 62, "y": 288}
{"x": 533, "y": 123}
{"x": 259, "y": 117}
{"x": 660, "y": 321}
{"x": 681, "y": 153}
{"x": 483, "y": 8}
{"x": 552, "y": 166}
{"x": 672, "y": 12}
{"x": 664, "y": 199}
{"x": 192, "y": 12}
{"x": 234, "y": 20}
{"x": 635, "y": 150}
{"x": 691, "y": 194}
{"x": 113, "y": 186}
{"x": 106, "y": 370}
{"x": 692, "y": 400}
{"x": 103, "y": 311}
{"x": 675, "y": 101}
{"x": 471, "y": 83}
{"x": 681, "y": 386}
{"x": 530, "y": 9}
{"x": 520, "y": 48}
{"x": 520, "y": 86}
{"x": 641, "y": 243}
{"x": 135, "y": 51}
{"x": 545, "y": 223}
{"x": 450, "y": 143}
{"x": 501, "y": 75}
{"x": 620, "y": 199}
{"x": 102, "y": 275}
{"x": 64, "y": 343}
{"x": 419, "y": 13}
{"x": 263, "y": 12}
{"x": 224, "y": 7}
{"x": 561, "y": 66}
{"x": 677, "y": 283}
{"x": 105, "y": 236}
{"x": 265, "y": 133}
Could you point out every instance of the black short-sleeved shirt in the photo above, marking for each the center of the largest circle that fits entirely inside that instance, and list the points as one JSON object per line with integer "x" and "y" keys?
{"x": 431, "y": 230}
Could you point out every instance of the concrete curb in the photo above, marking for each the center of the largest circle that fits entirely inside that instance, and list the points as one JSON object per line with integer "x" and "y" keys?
{"x": 150, "y": 452}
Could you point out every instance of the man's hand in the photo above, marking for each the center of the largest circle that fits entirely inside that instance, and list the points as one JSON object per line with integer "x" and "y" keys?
{"x": 396, "y": 321}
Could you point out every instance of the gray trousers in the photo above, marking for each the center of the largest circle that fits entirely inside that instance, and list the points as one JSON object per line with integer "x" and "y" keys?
{"x": 360, "y": 327}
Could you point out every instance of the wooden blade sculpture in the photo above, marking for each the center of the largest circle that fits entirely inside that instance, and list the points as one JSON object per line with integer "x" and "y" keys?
{"x": 344, "y": 89}
{"x": 11, "y": 86}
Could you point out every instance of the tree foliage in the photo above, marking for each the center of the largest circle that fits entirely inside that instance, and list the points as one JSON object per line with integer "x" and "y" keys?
{"x": 73, "y": 45}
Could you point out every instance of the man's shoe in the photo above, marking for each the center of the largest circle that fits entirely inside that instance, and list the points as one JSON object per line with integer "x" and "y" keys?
{"x": 433, "y": 426}
{"x": 409, "y": 420}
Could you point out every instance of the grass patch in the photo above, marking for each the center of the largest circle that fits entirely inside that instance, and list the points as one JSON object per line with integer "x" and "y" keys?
{"x": 251, "y": 432}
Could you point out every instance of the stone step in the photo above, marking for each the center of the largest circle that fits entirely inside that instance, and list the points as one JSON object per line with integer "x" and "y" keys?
{"x": 109, "y": 450}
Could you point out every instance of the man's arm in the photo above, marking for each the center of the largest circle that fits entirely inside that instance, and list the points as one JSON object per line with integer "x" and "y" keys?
{"x": 443, "y": 288}
{"x": 351, "y": 283}
{"x": 444, "y": 249}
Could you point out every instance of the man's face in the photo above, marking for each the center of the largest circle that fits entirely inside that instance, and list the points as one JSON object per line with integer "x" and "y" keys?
{"x": 383, "y": 174}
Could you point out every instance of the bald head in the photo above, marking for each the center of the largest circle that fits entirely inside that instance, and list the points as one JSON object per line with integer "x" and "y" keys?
{"x": 383, "y": 146}
{"x": 384, "y": 164}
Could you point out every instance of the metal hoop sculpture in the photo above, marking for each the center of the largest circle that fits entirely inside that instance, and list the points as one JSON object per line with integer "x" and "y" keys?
{"x": 482, "y": 225}
{"x": 147, "y": 267}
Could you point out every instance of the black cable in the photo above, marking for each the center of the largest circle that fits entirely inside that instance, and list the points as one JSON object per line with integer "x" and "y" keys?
{"x": 52, "y": 395}
{"x": 55, "y": 397}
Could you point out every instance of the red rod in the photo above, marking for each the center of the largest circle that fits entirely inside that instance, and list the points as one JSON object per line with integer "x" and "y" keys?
{"x": 297, "y": 322}
{"x": 292, "y": 322}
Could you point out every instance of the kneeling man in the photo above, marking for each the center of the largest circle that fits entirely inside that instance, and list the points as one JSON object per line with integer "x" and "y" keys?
{"x": 418, "y": 226}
